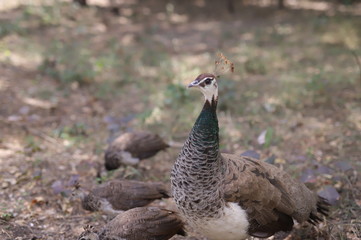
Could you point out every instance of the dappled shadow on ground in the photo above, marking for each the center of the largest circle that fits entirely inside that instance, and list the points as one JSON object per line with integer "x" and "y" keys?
{"x": 72, "y": 76}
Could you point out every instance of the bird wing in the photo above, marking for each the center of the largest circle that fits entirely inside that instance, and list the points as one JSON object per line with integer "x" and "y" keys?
{"x": 144, "y": 190}
{"x": 131, "y": 147}
{"x": 143, "y": 145}
{"x": 127, "y": 194}
{"x": 261, "y": 190}
{"x": 144, "y": 223}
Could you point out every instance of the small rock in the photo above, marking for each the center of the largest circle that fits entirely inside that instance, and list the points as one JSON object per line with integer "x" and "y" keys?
{"x": 5, "y": 185}
{"x": 330, "y": 193}
{"x": 251, "y": 153}
{"x": 14, "y": 118}
{"x": 57, "y": 187}
{"x": 343, "y": 166}
{"x": 24, "y": 110}
{"x": 74, "y": 179}
{"x": 324, "y": 170}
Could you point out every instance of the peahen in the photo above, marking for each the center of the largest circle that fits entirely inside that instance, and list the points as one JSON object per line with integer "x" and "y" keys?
{"x": 231, "y": 197}
{"x": 143, "y": 223}
{"x": 115, "y": 196}
{"x": 131, "y": 147}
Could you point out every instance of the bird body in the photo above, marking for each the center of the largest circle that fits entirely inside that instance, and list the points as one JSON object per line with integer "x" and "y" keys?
{"x": 149, "y": 223}
{"x": 131, "y": 147}
{"x": 230, "y": 197}
{"x": 116, "y": 196}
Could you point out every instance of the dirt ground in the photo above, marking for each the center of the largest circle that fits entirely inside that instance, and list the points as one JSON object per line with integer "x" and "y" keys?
{"x": 72, "y": 78}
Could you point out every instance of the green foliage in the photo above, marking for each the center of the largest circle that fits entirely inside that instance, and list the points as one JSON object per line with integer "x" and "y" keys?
{"x": 255, "y": 65}
{"x": 7, "y": 28}
{"x": 106, "y": 90}
{"x": 37, "y": 162}
{"x": 47, "y": 15}
{"x": 227, "y": 89}
{"x": 152, "y": 57}
{"x": 346, "y": 2}
{"x": 76, "y": 62}
{"x": 131, "y": 173}
{"x": 175, "y": 94}
{"x": 6, "y": 216}
{"x": 45, "y": 94}
{"x": 32, "y": 145}
{"x": 269, "y": 138}
{"x": 72, "y": 134}
{"x": 106, "y": 177}
{"x": 316, "y": 83}
{"x": 143, "y": 116}
{"x": 68, "y": 63}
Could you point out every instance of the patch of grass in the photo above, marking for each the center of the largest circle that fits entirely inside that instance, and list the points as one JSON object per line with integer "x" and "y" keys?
{"x": 72, "y": 134}
{"x": 76, "y": 61}
{"x": 46, "y": 15}
{"x": 7, "y": 28}
{"x": 227, "y": 90}
{"x": 269, "y": 137}
{"x": 6, "y": 216}
{"x": 32, "y": 145}
{"x": 341, "y": 32}
{"x": 143, "y": 116}
{"x": 299, "y": 89}
{"x": 106, "y": 90}
{"x": 69, "y": 63}
{"x": 45, "y": 94}
{"x": 106, "y": 177}
{"x": 37, "y": 162}
{"x": 175, "y": 94}
{"x": 316, "y": 83}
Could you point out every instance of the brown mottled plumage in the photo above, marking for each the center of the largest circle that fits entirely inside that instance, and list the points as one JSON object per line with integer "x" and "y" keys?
{"x": 130, "y": 148}
{"x": 230, "y": 197}
{"x": 143, "y": 223}
{"x": 118, "y": 195}
{"x": 270, "y": 196}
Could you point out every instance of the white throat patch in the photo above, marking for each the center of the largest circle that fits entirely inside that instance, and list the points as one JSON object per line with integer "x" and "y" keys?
{"x": 210, "y": 91}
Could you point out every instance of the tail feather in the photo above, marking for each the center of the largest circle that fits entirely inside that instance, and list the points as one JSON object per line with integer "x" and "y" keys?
{"x": 322, "y": 208}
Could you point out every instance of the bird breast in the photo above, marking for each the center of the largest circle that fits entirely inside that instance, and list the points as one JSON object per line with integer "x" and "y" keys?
{"x": 231, "y": 225}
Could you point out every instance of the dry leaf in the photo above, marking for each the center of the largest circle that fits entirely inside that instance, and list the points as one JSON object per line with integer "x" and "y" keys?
{"x": 223, "y": 65}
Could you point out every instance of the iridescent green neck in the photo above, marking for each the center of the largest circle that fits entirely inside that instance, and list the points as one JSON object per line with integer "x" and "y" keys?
{"x": 206, "y": 125}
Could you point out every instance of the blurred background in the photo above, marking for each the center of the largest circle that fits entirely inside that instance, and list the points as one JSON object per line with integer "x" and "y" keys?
{"x": 75, "y": 74}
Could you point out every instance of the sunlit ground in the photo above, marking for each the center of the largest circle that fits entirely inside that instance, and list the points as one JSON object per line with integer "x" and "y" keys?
{"x": 72, "y": 76}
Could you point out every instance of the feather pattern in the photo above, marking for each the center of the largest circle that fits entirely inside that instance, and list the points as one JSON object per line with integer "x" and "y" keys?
{"x": 131, "y": 147}
{"x": 119, "y": 195}
{"x": 149, "y": 223}
{"x": 206, "y": 184}
{"x": 143, "y": 223}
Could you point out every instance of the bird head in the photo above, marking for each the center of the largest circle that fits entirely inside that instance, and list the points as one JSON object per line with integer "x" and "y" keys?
{"x": 207, "y": 84}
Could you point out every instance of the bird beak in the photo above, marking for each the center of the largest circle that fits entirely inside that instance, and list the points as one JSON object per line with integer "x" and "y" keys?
{"x": 193, "y": 84}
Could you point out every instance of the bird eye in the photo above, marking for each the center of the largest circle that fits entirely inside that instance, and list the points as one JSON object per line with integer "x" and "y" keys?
{"x": 208, "y": 81}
